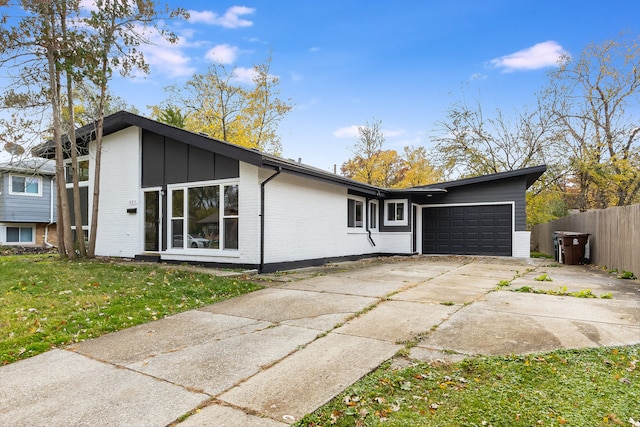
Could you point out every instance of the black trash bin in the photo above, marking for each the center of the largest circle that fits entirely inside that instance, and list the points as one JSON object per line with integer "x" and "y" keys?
{"x": 571, "y": 246}
{"x": 556, "y": 245}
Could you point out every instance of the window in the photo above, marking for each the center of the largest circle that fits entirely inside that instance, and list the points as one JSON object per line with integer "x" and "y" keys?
{"x": 231, "y": 217}
{"x": 373, "y": 215}
{"x": 205, "y": 217}
{"x": 25, "y": 185}
{"x": 83, "y": 184}
{"x": 355, "y": 213}
{"x": 83, "y": 171}
{"x": 395, "y": 212}
{"x": 20, "y": 235}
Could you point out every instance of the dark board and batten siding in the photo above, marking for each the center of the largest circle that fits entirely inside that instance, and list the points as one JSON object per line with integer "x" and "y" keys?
{"x": 476, "y": 219}
{"x": 166, "y": 161}
{"x": 508, "y": 190}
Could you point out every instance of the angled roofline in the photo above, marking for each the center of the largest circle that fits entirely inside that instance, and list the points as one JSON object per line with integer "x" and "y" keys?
{"x": 531, "y": 174}
{"x": 123, "y": 119}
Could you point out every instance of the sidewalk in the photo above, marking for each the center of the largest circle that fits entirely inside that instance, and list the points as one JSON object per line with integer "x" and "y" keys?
{"x": 272, "y": 356}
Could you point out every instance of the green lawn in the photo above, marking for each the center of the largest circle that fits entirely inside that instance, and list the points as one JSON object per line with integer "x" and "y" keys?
{"x": 47, "y": 302}
{"x": 591, "y": 387}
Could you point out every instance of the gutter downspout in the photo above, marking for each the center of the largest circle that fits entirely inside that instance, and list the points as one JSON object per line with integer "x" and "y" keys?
{"x": 262, "y": 185}
{"x": 46, "y": 228}
{"x": 366, "y": 222}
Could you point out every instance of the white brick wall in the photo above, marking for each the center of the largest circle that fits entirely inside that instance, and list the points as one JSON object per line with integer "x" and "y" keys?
{"x": 395, "y": 243}
{"x": 119, "y": 232}
{"x": 521, "y": 244}
{"x": 249, "y": 208}
{"x": 307, "y": 219}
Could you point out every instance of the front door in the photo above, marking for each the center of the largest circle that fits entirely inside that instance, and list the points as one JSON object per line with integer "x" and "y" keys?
{"x": 152, "y": 204}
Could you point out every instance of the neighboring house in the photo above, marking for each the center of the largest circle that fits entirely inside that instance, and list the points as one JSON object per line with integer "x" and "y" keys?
{"x": 27, "y": 203}
{"x": 173, "y": 195}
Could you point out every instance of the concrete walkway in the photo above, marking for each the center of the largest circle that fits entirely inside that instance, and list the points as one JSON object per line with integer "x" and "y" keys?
{"x": 270, "y": 357}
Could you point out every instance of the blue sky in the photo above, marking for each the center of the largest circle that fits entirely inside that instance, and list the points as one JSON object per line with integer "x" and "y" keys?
{"x": 402, "y": 62}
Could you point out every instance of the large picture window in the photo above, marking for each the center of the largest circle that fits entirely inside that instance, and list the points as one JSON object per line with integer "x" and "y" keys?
{"x": 205, "y": 217}
{"x": 25, "y": 185}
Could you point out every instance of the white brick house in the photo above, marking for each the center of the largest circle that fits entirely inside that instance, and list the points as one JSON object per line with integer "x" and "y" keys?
{"x": 174, "y": 195}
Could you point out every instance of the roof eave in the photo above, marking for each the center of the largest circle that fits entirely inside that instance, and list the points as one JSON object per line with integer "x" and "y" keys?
{"x": 531, "y": 175}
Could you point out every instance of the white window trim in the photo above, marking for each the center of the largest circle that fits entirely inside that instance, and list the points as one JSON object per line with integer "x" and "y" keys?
{"x": 361, "y": 227}
{"x": 17, "y": 193}
{"x": 69, "y": 185}
{"x": 26, "y": 225}
{"x": 404, "y": 221}
{"x": 160, "y": 217}
{"x": 510, "y": 202}
{"x": 373, "y": 205}
{"x": 185, "y": 186}
{"x": 80, "y": 183}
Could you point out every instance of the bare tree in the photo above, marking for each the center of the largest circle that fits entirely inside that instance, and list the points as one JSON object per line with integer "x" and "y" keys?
{"x": 593, "y": 98}
{"x": 471, "y": 143}
{"x": 52, "y": 45}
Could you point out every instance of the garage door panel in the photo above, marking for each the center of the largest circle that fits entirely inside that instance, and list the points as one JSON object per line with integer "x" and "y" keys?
{"x": 468, "y": 230}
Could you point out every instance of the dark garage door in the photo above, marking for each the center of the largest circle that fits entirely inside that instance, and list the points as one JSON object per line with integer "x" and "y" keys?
{"x": 467, "y": 230}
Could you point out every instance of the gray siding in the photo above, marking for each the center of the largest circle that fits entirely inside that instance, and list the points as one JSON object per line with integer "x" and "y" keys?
{"x": 3, "y": 190}
{"x": 508, "y": 190}
{"x": 21, "y": 208}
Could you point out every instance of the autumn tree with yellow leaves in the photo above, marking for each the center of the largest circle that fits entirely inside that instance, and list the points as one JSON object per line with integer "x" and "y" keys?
{"x": 219, "y": 104}
{"x": 386, "y": 168}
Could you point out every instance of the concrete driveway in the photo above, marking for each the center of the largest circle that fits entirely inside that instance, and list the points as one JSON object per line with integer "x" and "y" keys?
{"x": 269, "y": 357}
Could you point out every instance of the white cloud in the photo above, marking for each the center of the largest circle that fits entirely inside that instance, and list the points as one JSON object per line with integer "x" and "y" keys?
{"x": 478, "y": 76}
{"x": 314, "y": 49}
{"x": 88, "y": 5}
{"x": 165, "y": 57}
{"x": 244, "y": 75}
{"x": 394, "y": 133}
{"x": 541, "y": 55}
{"x": 346, "y": 132}
{"x": 256, "y": 40}
{"x": 222, "y": 54}
{"x": 352, "y": 131}
{"x": 230, "y": 19}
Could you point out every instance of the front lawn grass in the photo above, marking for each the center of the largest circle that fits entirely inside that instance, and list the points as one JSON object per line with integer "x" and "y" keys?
{"x": 590, "y": 387}
{"x": 47, "y": 302}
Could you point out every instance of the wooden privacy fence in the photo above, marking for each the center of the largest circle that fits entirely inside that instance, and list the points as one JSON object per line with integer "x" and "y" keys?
{"x": 615, "y": 236}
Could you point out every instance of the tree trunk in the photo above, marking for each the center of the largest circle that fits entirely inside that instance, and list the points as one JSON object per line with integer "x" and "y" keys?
{"x": 77, "y": 206}
{"x": 57, "y": 134}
